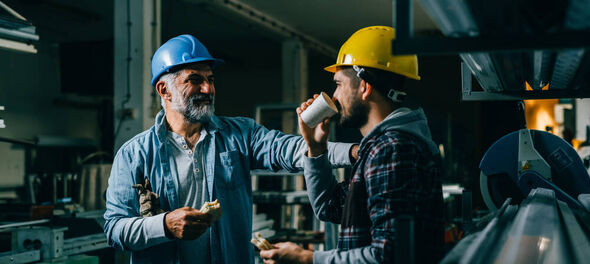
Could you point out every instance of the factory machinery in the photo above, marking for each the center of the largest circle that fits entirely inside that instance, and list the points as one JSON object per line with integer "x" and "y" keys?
{"x": 57, "y": 240}
{"x": 538, "y": 190}
{"x": 65, "y": 232}
{"x": 534, "y": 183}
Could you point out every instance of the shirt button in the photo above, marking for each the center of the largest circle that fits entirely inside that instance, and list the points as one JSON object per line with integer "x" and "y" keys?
{"x": 190, "y": 152}
{"x": 196, "y": 170}
{"x": 184, "y": 146}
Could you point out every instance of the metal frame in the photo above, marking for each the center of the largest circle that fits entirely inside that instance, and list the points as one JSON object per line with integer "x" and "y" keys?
{"x": 20, "y": 257}
{"x": 296, "y": 197}
{"x": 469, "y": 95}
{"x": 406, "y": 43}
{"x": 256, "y": 17}
{"x": 287, "y": 215}
{"x": 83, "y": 244}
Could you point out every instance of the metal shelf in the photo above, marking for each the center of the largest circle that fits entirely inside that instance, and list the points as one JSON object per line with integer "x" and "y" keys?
{"x": 272, "y": 173}
{"x": 538, "y": 58}
{"x": 280, "y": 197}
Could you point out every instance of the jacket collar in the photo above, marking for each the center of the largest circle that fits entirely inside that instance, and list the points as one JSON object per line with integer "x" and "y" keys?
{"x": 160, "y": 125}
{"x": 396, "y": 119}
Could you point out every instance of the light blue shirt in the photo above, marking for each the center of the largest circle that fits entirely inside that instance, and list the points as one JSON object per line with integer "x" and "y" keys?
{"x": 192, "y": 191}
{"x": 232, "y": 147}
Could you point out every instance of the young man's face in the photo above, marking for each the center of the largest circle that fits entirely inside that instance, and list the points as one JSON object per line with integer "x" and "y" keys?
{"x": 193, "y": 93}
{"x": 353, "y": 112}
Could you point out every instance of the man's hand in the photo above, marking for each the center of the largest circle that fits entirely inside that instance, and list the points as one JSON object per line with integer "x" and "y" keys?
{"x": 354, "y": 153}
{"x": 187, "y": 223}
{"x": 316, "y": 138}
{"x": 287, "y": 252}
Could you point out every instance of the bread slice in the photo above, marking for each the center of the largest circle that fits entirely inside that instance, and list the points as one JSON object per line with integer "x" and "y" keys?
{"x": 212, "y": 208}
{"x": 260, "y": 242}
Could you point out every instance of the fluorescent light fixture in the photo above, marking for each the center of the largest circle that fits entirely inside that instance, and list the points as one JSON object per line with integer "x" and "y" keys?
{"x": 455, "y": 20}
{"x": 452, "y": 16}
{"x": 482, "y": 68}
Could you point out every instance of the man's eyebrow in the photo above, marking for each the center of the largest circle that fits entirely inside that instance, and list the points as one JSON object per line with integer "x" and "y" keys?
{"x": 193, "y": 75}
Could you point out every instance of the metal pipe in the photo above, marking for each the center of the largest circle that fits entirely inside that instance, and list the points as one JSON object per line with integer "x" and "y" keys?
{"x": 36, "y": 222}
{"x": 11, "y": 11}
{"x": 18, "y": 141}
{"x": 19, "y": 34}
{"x": 17, "y": 46}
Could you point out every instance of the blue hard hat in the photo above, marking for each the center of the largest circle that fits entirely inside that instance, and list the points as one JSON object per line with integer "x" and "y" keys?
{"x": 180, "y": 50}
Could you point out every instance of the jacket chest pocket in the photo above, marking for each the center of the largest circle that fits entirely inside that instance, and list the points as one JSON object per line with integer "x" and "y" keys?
{"x": 232, "y": 169}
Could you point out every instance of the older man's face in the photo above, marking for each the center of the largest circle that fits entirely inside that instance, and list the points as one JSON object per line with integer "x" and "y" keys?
{"x": 193, "y": 93}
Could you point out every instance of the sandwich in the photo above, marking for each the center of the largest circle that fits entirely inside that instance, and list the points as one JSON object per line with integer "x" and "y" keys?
{"x": 212, "y": 208}
{"x": 260, "y": 242}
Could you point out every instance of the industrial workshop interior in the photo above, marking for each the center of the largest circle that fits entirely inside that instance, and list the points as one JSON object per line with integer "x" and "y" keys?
{"x": 335, "y": 131}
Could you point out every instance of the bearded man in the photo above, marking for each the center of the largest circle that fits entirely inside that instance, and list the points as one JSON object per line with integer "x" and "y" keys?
{"x": 396, "y": 178}
{"x": 191, "y": 156}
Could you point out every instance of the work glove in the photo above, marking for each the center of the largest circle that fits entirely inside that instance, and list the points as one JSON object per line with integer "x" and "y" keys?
{"x": 149, "y": 204}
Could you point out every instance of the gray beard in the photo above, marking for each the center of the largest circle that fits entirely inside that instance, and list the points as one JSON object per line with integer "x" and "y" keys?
{"x": 190, "y": 108}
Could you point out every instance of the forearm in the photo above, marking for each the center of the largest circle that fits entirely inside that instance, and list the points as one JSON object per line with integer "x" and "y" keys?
{"x": 137, "y": 233}
{"x": 368, "y": 254}
{"x": 321, "y": 186}
{"x": 338, "y": 154}
{"x": 274, "y": 150}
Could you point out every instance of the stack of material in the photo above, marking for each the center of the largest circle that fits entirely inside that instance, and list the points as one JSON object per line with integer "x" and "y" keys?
{"x": 542, "y": 230}
{"x": 263, "y": 226}
{"x": 93, "y": 184}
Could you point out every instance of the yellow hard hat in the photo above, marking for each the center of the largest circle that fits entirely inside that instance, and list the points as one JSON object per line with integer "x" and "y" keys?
{"x": 371, "y": 47}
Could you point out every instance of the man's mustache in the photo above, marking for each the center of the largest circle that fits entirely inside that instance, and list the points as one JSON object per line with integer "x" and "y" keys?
{"x": 197, "y": 98}
{"x": 338, "y": 106}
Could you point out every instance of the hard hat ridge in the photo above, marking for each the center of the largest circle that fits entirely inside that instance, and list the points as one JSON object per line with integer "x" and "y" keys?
{"x": 180, "y": 50}
{"x": 371, "y": 47}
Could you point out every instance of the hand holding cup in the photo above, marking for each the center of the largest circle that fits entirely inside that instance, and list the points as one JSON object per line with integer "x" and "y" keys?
{"x": 316, "y": 137}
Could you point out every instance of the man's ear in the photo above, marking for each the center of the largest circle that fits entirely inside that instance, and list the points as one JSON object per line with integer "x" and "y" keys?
{"x": 366, "y": 90}
{"x": 163, "y": 91}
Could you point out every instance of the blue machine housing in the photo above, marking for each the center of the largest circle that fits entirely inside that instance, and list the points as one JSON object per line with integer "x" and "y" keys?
{"x": 569, "y": 177}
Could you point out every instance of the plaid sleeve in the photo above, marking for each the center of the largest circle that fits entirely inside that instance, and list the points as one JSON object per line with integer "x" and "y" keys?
{"x": 389, "y": 171}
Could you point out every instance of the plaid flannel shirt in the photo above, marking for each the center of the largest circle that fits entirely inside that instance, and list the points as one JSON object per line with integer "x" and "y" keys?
{"x": 395, "y": 175}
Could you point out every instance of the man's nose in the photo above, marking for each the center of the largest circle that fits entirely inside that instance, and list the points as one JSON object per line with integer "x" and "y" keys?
{"x": 335, "y": 96}
{"x": 206, "y": 87}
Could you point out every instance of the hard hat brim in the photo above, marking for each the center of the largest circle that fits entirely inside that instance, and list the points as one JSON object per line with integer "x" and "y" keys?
{"x": 214, "y": 63}
{"x": 334, "y": 68}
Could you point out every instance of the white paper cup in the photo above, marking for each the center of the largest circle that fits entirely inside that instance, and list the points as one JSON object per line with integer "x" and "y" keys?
{"x": 321, "y": 108}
